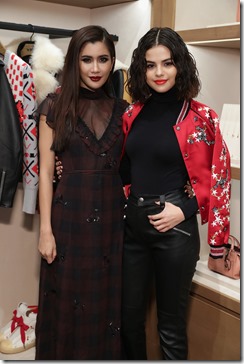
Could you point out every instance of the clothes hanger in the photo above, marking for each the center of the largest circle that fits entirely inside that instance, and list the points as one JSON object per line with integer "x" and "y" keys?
{"x": 25, "y": 48}
{"x": 33, "y": 31}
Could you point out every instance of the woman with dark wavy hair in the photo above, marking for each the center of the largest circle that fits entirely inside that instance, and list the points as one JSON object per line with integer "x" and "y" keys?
{"x": 171, "y": 140}
{"x": 81, "y": 224}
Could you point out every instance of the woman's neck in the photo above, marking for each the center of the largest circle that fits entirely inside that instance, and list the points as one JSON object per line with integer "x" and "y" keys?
{"x": 92, "y": 94}
{"x": 168, "y": 96}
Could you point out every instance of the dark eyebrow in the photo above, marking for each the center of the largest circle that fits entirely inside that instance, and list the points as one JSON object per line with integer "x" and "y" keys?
{"x": 164, "y": 60}
{"x": 101, "y": 55}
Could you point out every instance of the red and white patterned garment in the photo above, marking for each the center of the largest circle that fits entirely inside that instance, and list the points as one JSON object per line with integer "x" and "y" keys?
{"x": 20, "y": 77}
{"x": 207, "y": 160}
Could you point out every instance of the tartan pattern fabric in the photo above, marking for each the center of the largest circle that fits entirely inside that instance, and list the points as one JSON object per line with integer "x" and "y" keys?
{"x": 20, "y": 78}
{"x": 79, "y": 306}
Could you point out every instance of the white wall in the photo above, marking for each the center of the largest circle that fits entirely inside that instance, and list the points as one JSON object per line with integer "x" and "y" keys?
{"x": 122, "y": 20}
{"x": 192, "y": 14}
{"x": 219, "y": 68}
{"x": 129, "y": 21}
{"x": 219, "y": 71}
{"x": 19, "y": 258}
{"x": 41, "y": 14}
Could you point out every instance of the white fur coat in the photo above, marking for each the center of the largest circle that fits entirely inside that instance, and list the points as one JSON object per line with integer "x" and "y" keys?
{"x": 47, "y": 61}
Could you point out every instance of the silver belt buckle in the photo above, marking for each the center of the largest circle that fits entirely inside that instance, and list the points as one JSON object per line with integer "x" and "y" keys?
{"x": 140, "y": 201}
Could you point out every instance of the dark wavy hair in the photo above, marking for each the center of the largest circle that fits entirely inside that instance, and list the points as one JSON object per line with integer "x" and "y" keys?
{"x": 187, "y": 80}
{"x": 66, "y": 106}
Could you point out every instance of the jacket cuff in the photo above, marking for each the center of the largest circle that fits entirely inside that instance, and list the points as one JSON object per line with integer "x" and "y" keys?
{"x": 30, "y": 199}
{"x": 217, "y": 251}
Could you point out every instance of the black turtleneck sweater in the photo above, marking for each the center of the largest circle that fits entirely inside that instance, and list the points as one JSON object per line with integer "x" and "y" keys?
{"x": 152, "y": 149}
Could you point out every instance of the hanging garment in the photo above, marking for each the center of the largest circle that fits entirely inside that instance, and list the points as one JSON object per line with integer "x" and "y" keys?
{"x": 10, "y": 142}
{"x": 20, "y": 77}
{"x": 47, "y": 61}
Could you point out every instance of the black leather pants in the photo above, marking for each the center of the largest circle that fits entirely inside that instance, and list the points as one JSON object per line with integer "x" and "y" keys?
{"x": 170, "y": 258}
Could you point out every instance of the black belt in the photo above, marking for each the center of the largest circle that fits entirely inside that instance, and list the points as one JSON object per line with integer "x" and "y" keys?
{"x": 147, "y": 200}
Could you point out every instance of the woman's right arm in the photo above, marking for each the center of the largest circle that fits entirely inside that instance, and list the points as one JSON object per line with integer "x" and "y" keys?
{"x": 47, "y": 244}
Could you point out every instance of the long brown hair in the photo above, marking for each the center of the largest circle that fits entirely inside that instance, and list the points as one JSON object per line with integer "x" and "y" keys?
{"x": 187, "y": 79}
{"x": 66, "y": 105}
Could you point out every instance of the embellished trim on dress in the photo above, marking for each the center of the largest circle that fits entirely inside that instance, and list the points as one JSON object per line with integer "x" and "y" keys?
{"x": 113, "y": 130}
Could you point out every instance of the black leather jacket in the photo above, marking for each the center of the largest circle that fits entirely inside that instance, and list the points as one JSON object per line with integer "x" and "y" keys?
{"x": 11, "y": 153}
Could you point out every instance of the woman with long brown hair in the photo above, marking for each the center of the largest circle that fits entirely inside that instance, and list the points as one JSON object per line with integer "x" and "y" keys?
{"x": 81, "y": 224}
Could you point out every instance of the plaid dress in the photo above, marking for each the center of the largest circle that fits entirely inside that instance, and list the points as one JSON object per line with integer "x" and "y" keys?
{"x": 79, "y": 313}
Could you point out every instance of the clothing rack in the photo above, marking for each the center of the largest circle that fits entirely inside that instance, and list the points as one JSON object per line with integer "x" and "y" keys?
{"x": 53, "y": 32}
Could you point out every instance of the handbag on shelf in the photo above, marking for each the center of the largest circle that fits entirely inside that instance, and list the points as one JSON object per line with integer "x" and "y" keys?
{"x": 229, "y": 265}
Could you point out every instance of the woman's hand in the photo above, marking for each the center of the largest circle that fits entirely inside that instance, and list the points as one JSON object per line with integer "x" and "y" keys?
{"x": 58, "y": 167}
{"x": 47, "y": 247}
{"x": 169, "y": 217}
{"x": 189, "y": 190}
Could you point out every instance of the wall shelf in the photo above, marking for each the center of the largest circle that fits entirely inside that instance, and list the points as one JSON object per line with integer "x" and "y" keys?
{"x": 235, "y": 173}
{"x": 90, "y": 4}
{"x": 222, "y": 43}
{"x": 226, "y": 35}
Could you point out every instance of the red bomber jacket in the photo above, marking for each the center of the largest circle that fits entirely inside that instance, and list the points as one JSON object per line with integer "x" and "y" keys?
{"x": 207, "y": 161}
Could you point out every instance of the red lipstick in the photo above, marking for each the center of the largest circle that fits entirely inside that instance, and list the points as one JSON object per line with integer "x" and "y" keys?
{"x": 95, "y": 79}
{"x": 160, "y": 82}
